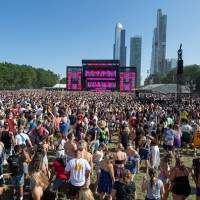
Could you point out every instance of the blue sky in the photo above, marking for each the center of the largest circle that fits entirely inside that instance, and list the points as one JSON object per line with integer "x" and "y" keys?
{"x": 53, "y": 34}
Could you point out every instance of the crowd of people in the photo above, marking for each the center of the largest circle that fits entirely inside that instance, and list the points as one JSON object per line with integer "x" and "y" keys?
{"x": 87, "y": 145}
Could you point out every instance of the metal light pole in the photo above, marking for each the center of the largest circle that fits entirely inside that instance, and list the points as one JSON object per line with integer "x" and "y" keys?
{"x": 179, "y": 74}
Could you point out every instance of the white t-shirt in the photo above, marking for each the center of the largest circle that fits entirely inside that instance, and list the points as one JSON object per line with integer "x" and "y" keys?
{"x": 21, "y": 138}
{"x": 77, "y": 168}
{"x": 186, "y": 128}
{"x": 59, "y": 146}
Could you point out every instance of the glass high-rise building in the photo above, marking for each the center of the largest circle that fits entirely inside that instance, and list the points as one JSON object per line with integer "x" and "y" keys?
{"x": 158, "y": 55}
{"x": 119, "y": 48}
{"x": 135, "y": 56}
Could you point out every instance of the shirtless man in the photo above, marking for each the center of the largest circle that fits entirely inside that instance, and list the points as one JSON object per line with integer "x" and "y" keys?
{"x": 70, "y": 147}
{"x": 97, "y": 157}
{"x": 82, "y": 146}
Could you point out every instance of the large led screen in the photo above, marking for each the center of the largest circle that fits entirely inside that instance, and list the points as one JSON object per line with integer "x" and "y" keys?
{"x": 100, "y": 73}
{"x": 100, "y": 84}
{"x": 127, "y": 81}
{"x": 74, "y": 80}
{"x": 100, "y": 79}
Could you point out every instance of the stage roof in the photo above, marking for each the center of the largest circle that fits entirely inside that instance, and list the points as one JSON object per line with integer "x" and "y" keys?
{"x": 164, "y": 88}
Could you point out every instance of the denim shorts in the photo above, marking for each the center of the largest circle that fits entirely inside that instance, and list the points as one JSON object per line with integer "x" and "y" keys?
{"x": 17, "y": 180}
{"x": 95, "y": 146}
{"x": 198, "y": 192}
{"x": 58, "y": 182}
{"x": 9, "y": 151}
{"x": 144, "y": 154}
{"x": 131, "y": 167}
{"x": 26, "y": 168}
{"x": 163, "y": 179}
{"x": 153, "y": 199}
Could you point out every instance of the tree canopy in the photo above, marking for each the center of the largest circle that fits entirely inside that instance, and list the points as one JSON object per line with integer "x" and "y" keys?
{"x": 190, "y": 76}
{"x": 15, "y": 76}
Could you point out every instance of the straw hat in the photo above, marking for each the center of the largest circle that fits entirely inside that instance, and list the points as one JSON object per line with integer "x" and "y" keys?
{"x": 102, "y": 124}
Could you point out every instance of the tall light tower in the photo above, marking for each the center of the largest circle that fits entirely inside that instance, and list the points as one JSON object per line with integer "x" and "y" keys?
{"x": 179, "y": 74}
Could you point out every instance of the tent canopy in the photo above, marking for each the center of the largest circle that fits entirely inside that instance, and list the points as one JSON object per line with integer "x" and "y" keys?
{"x": 164, "y": 88}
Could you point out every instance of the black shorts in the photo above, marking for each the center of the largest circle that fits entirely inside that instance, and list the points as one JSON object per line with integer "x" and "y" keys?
{"x": 73, "y": 190}
{"x": 167, "y": 147}
{"x": 186, "y": 140}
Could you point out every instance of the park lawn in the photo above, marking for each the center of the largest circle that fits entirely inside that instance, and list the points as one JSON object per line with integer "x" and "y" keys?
{"x": 138, "y": 178}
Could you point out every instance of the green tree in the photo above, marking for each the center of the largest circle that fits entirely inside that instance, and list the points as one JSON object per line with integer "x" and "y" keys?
{"x": 15, "y": 76}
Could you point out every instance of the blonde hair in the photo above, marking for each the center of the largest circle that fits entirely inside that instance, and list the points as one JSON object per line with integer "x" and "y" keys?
{"x": 85, "y": 194}
{"x": 82, "y": 144}
{"x": 120, "y": 147}
{"x": 108, "y": 157}
{"x": 40, "y": 179}
{"x": 126, "y": 176}
{"x": 177, "y": 128}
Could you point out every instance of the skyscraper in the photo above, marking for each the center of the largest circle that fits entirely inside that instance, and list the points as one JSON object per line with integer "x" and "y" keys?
{"x": 135, "y": 56}
{"x": 158, "y": 55}
{"x": 119, "y": 48}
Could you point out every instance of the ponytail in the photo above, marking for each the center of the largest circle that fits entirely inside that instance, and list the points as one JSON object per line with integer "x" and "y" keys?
{"x": 152, "y": 173}
{"x": 152, "y": 181}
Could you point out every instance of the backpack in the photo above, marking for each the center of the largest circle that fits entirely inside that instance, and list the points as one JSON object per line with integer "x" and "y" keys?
{"x": 15, "y": 167}
{"x": 40, "y": 149}
{"x": 37, "y": 135}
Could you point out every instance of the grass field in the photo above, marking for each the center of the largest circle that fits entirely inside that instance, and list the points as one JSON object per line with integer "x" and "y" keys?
{"x": 138, "y": 178}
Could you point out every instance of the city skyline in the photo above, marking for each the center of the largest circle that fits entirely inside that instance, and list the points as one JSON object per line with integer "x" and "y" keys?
{"x": 135, "y": 56}
{"x": 119, "y": 47}
{"x": 53, "y": 35}
{"x": 158, "y": 54}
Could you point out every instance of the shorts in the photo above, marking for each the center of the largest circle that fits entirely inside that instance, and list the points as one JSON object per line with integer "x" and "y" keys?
{"x": 163, "y": 179}
{"x": 17, "y": 180}
{"x": 144, "y": 154}
{"x": 9, "y": 151}
{"x": 131, "y": 167}
{"x": 177, "y": 142}
{"x": 26, "y": 168}
{"x": 73, "y": 190}
{"x": 198, "y": 192}
{"x": 32, "y": 184}
{"x": 153, "y": 199}
{"x": 58, "y": 182}
{"x": 95, "y": 146}
{"x": 186, "y": 140}
{"x": 167, "y": 147}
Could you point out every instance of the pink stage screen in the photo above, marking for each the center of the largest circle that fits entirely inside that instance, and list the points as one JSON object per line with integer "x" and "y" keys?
{"x": 100, "y": 73}
{"x": 103, "y": 85}
{"x": 100, "y": 79}
{"x": 127, "y": 81}
{"x": 74, "y": 80}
